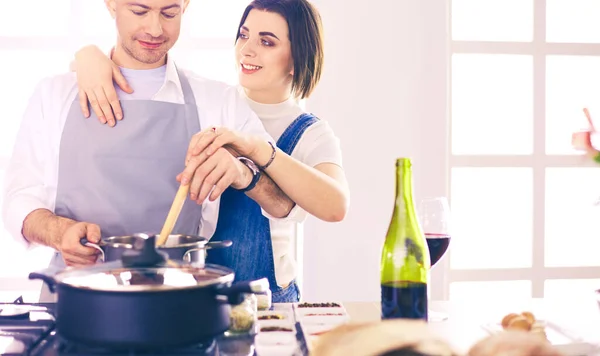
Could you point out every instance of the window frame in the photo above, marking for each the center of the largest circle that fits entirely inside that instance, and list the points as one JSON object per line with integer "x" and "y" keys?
{"x": 539, "y": 49}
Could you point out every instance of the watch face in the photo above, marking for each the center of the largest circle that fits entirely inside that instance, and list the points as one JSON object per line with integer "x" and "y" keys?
{"x": 250, "y": 164}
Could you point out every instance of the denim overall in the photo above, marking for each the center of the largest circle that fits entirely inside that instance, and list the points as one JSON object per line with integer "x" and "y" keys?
{"x": 241, "y": 220}
{"x": 122, "y": 178}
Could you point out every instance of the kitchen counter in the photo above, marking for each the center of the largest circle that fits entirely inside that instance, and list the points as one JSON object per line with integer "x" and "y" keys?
{"x": 463, "y": 327}
{"x": 579, "y": 316}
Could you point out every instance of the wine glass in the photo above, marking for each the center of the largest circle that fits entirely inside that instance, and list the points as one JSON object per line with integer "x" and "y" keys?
{"x": 434, "y": 214}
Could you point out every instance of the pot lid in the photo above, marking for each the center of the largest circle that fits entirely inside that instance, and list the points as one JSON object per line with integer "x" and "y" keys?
{"x": 118, "y": 278}
{"x": 145, "y": 269}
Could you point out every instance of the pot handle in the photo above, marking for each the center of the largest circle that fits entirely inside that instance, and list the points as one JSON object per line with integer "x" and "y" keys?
{"x": 84, "y": 241}
{"x": 235, "y": 293}
{"x": 209, "y": 245}
{"x": 47, "y": 276}
{"x": 187, "y": 256}
{"x": 218, "y": 244}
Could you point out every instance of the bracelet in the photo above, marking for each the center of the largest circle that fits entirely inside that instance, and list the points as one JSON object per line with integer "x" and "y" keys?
{"x": 272, "y": 157}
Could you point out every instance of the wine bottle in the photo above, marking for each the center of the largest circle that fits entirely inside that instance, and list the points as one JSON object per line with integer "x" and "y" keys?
{"x": 405, "y": 260}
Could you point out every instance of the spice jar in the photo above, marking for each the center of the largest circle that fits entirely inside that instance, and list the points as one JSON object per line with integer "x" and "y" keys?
{"x": 243, "y": 316}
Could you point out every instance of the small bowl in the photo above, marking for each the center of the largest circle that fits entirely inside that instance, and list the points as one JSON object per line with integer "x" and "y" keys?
{"x": 275, "y": 343}
{"x": 308, "y": 305}
{"x": 262, "y": 324}
{"x": 279, "y": 350}
{"x": 301, "y": 311}
{"x": 275, "y": 338}
{"x": 323, "y": 315}
{"x": 278, "y": 315}
{"x": 317, "y": 329}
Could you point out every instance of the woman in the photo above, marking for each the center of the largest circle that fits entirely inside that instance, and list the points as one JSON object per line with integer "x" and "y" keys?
{"x": 279, "y": 55}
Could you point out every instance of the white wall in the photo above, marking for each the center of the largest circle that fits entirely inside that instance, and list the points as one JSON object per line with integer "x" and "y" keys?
{"x": 384, "y": 92}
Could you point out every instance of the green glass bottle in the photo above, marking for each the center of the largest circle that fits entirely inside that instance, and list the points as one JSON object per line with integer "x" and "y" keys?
{"x": 405, "y": 260}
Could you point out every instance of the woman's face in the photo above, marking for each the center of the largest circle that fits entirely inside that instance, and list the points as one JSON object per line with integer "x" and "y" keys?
{"x": 264, "y": 55}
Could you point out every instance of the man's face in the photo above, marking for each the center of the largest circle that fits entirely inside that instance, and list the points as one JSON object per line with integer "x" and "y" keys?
{"x": 147, "y": 29}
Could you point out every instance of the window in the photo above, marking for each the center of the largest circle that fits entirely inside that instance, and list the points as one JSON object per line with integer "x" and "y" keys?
{"x": 522, "y": 198}
{"x": 53, "y": 30}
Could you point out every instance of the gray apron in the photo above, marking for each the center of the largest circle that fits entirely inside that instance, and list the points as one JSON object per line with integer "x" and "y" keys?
{"x": 122, "y": 178}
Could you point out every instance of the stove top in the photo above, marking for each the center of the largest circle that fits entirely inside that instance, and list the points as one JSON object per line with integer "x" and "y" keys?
{"x": 29, "y": 329}
{"x": 55, "y": 345}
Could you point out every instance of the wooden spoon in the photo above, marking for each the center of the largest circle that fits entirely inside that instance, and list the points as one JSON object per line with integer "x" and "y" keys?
{"x": 173, "y": 214}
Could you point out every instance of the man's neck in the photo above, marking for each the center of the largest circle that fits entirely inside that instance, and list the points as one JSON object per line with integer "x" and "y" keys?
{"x": 123, "y": 59}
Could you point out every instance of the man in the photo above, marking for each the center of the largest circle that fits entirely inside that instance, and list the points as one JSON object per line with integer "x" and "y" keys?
{"x": 71, "y": 178}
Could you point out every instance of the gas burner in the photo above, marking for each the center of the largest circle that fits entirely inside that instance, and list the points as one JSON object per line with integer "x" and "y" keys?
{"x": 56, "y": 345}
{"x": 13, "y": 312}
{"x": 25, "y": 316}
{"x": 22, "y": 311}
{"x": 20, "y": 339}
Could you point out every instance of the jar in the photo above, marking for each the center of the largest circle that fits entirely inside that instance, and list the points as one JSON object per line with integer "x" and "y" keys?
{"x": 264, "y": 300}
{"x": 244, "y": 315}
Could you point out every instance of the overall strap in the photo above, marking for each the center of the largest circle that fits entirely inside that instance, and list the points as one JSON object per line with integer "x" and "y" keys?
{"x": 290, "y": 137}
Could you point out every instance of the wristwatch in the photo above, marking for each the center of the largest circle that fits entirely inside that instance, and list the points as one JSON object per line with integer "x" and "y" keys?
{"x": 255, "y": 173}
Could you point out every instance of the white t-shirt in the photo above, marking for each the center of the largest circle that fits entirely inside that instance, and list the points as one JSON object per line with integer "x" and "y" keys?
{"x": 317, "y": 145}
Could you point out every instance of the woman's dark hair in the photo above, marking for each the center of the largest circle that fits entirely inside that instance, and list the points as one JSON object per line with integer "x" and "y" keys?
{"x": 306, "y": 38}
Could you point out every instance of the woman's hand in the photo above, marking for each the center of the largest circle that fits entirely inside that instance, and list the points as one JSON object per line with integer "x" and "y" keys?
{"x": 213, "y": 175}
{"x": 210, "y": 140}
{"x": 95, "y": 75}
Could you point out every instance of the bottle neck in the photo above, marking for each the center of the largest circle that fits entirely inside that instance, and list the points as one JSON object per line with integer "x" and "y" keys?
{"x": 404, "y": 193}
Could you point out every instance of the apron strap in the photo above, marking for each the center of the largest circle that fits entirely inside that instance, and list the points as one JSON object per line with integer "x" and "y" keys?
{"x": 188, "y": 93}
{"x": 190, "y": 102}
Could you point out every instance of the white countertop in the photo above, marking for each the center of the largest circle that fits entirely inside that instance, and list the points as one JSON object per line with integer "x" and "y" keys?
{"x": 463, "y": 326}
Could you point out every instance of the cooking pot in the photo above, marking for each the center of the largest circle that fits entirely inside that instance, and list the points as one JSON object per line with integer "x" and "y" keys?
{"x": 145, "y": 301}
{"x": 187, "y": 248}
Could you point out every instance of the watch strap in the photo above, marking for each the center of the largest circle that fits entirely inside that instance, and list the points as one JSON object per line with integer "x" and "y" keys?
{"x": 255, "y": 173}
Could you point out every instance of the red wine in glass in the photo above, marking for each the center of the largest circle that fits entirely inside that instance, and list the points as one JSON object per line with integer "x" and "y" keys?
{"x": 434, "y": 214}
{"x": 438, "y": 245}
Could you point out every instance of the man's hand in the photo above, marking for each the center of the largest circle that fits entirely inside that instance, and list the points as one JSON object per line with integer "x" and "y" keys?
{"x": 214, "y": 173}
{"x": 73, "y": 252}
